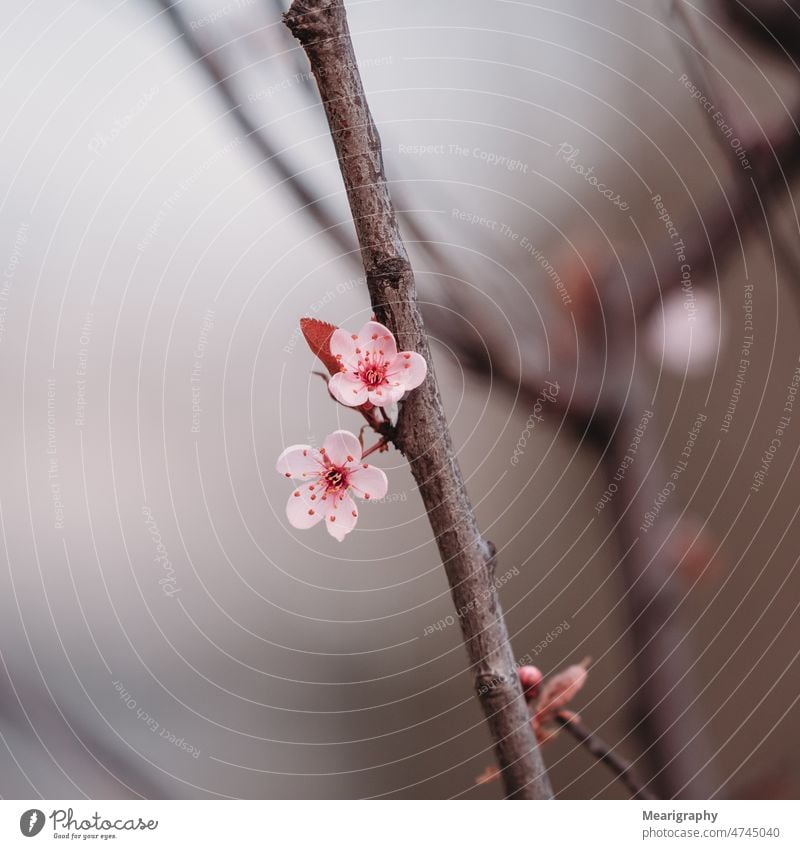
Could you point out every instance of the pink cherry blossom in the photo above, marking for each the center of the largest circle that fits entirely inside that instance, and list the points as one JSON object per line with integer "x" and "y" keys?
{"x": 330, "y": 475}
{"x": 372, "y": 369}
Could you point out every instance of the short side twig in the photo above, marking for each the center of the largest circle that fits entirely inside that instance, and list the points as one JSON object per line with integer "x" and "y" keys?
{"x": 603, "y": 752}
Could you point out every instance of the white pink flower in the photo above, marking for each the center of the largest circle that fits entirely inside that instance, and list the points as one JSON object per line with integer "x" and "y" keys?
{"x": 371, "y": 367}
{"x": 329, "y": 476}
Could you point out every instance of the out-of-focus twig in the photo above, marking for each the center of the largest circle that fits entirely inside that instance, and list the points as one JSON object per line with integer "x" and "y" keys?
{"x": 776, "y": 162}
{"x": 773, "y": 24}
{"x": 694, "y": 50}
{"x": 260, "y": 141}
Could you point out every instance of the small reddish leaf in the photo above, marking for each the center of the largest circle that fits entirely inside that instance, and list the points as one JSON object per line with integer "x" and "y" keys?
{"x": 491, "y": 773}
{"x": 318, "y": 335}
{"x": 559, "y": 690}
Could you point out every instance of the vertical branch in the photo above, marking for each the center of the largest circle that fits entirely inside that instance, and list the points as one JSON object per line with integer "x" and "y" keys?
{"x": 422, "y": 433}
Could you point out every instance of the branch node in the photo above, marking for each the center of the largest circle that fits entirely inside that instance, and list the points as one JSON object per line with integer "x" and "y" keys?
{"x": 486, "y": 683}
{"x": 309, "y": 21}
{"x": 389, "y": 271}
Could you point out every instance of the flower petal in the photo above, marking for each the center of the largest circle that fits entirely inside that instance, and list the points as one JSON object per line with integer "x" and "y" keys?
{"x": 368, "y": 481}
{"x": 387, "y": 393}
{"x": 348, "y": 389}
{"x": 343, "y": 347}
{"x": 341, "y": 517}
{"x": 299, "y": 461}
{"x": 303, "y": 508}
{"x": 409, "y": 368}
{"x": 378, "y": 340}
{"x": 341, "y": 448}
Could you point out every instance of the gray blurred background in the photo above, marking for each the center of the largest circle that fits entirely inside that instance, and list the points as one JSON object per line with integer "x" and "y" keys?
{"x": 164, "y": 632}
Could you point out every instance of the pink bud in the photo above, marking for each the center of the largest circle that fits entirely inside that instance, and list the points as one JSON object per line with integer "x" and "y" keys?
{"x": 530, "y": 677}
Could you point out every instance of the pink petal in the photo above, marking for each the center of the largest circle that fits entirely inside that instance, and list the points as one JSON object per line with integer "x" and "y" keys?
{"x": 378, "y": 340}
{"x": 341, "y": 448}
{"x": 409, "y": 368}
{"x": 348, "y": 389}
{"x": 299, "y": 461}
{"x": 368, "y": 481}
{"x": 303, "y": 508}
{"x": 341, "y": 517}
{"x": 343, "y": 346}
{"x": 387, "y": 393}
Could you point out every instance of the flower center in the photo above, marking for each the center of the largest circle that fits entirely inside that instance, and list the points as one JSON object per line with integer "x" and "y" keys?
{"x": 334, "y": 479}
{"x": 373, "y": 376}
{"x": 372, "y": 370}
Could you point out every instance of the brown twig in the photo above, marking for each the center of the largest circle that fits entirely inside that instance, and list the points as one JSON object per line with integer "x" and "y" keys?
{"x": 604, "y": 753}
{"x": 422, "y": 433}
{"x": 378, "y": 446}
{"x": 270, "y": 155}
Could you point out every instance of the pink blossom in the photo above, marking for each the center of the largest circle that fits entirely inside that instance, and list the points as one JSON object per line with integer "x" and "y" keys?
{"x": 372, "y": 369}
{"x": 330, "y": 474}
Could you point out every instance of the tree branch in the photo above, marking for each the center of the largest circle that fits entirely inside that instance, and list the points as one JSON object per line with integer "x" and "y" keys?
{"x": 603, "y": 752}
{"x": 422, "y": 433}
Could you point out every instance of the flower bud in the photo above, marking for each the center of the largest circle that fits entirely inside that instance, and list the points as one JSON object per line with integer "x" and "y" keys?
{"x": 530, "y": 677}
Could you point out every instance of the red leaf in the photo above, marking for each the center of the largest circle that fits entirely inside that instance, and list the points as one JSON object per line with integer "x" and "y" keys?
{"x": 318, "y": 335}
{"x": 559, "y": 690}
